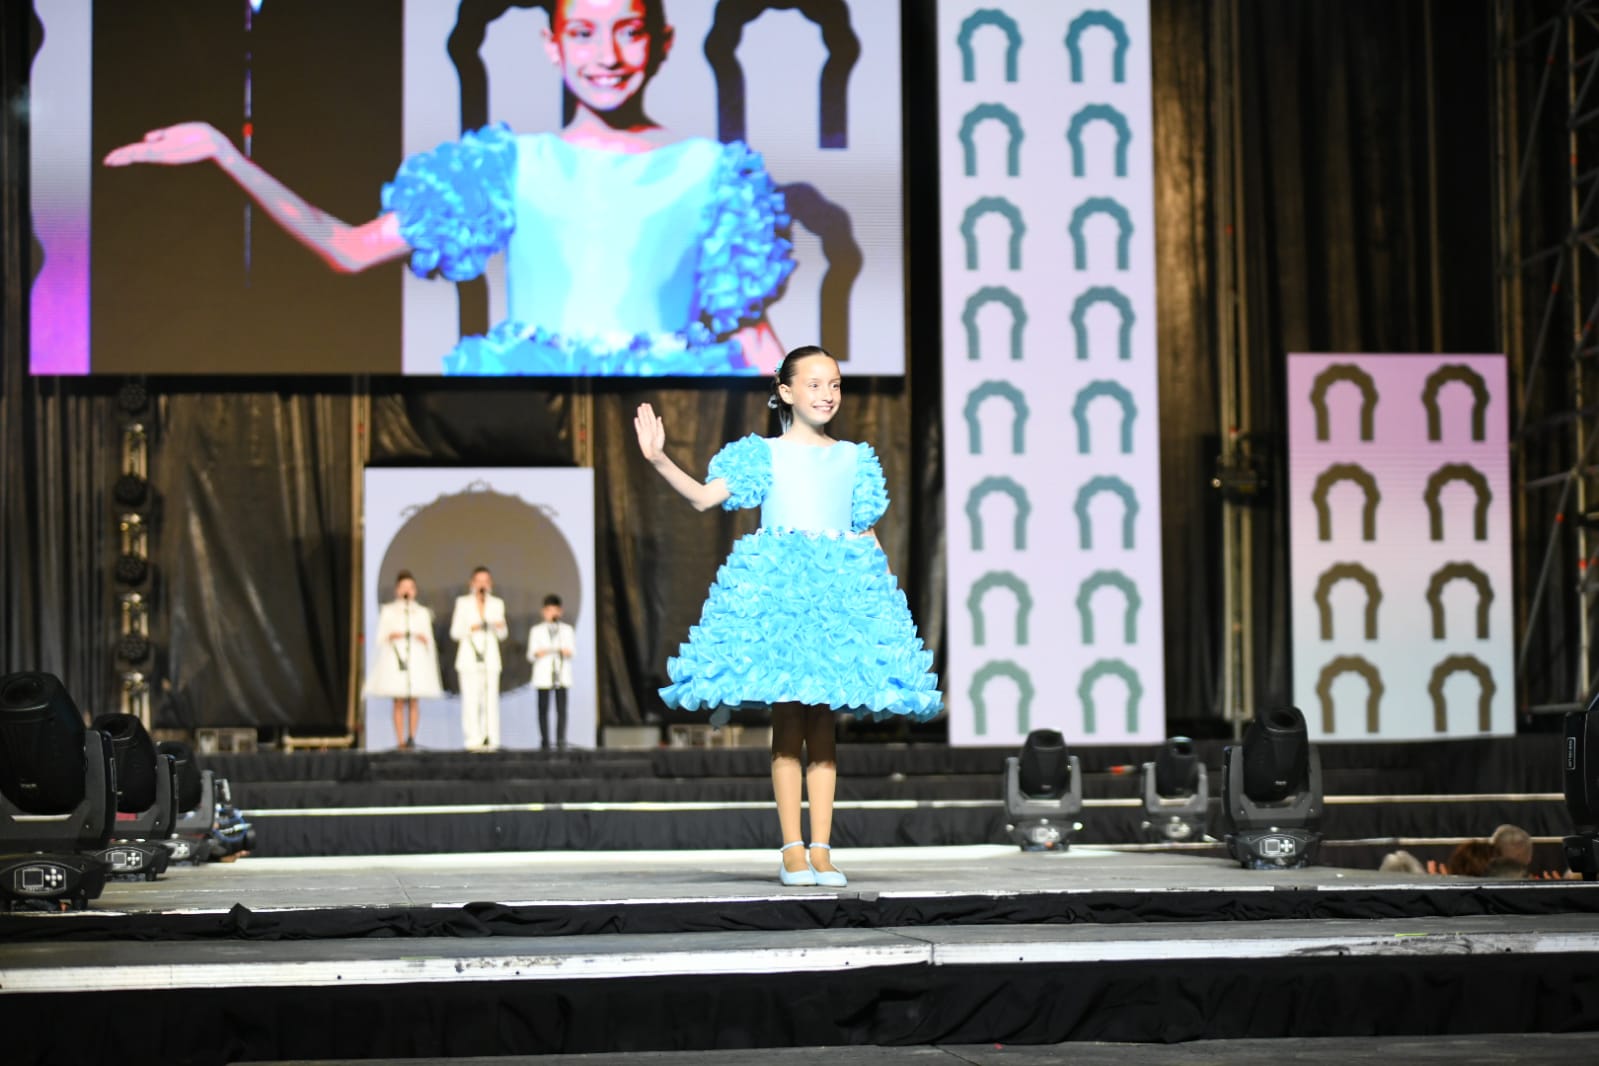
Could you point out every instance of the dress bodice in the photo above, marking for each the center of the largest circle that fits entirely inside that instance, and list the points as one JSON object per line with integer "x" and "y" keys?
{"x": 608, "y": 243}
{"x": 811, "y": 486}
{"x": 834, "y": 488}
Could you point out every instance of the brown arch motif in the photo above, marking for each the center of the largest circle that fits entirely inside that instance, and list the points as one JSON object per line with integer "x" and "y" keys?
{"x": 1324, "y": 483}
{"x": 1357, "y": 377}
{"x": 1456, "y": 664}
{"x": 1347, "y": 572}
{"x": 1435, "y": 487}
{"x": 1435, "y": 596}
{"x": 1349, "y": 664}
{"x": 1479, "y": 399}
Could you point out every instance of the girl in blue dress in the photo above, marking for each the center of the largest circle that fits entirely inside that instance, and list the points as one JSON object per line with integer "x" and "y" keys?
{"x": 805, "y": 616}
{"x": 628, "y": 250}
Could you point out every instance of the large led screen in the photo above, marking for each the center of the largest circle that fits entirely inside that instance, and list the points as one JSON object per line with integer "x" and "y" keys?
{"x": 432, "y": 187}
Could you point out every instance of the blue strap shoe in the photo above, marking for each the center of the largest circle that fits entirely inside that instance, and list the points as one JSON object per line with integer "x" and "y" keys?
{"x": 792, "y": 878}
{"x": 828, "y": 878}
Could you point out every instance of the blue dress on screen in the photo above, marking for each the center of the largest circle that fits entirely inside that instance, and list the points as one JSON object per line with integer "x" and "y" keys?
{"x": 616, "y": 262}
{"x": 805, "y": 609}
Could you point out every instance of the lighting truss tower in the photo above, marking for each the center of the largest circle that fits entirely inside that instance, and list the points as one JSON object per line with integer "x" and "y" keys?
{"x": 1546, "y": 172}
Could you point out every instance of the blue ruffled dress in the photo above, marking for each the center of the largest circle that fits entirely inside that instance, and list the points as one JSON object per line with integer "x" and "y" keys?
{"x": 805, "y": 609}
{"x": 616, "y": 263}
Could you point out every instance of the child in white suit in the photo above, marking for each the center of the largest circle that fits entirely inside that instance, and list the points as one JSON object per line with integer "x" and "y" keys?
{"x": 550, "y": 647}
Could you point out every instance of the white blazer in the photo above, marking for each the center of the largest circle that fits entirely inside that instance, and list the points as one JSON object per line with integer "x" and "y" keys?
{"x": 553, "y": 670}
{"x": 470, "y": 644}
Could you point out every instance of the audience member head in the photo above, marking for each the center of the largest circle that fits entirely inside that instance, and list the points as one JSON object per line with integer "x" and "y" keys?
{"x": 1471, "y": 859}
{"x": 1401, "y": 862}
{"x": 1514, "y": 843}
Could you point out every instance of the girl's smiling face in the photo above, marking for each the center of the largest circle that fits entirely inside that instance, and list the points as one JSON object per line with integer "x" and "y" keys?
{"x": 815, "y": 392}
{"x": 607, "y": 49}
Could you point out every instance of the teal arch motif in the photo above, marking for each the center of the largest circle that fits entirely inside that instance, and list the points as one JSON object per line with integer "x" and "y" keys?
{"x": 1109, "y": 579}
{"x": 992, "y": 580}
{"x": 1003, "y": 390}
{"x": 1117, "y": 299}
{"x": 1093, "y": 487}
{"x": 1109, "y": 668}
{"x": 987, "y": 16}
{"x": 1074, "y": 137}
{"x": 1093, "y": 391}
{"x": 1018, "y": 495}
{"x": 968, "y": 137}
{"x": 1094, "y": 205}
{"x": 1118, "y": 31}
{"x": 980, "y": 299}
{"x": 1000, "y": 206}
{"x": 1024, "y": 704}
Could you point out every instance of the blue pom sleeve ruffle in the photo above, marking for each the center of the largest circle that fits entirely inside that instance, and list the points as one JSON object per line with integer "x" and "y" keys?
{"x": 869, "y": 499}
{"x": 744, "y": 259}
{"x": 746, "y": 466}
{"x": 455, "y": 204}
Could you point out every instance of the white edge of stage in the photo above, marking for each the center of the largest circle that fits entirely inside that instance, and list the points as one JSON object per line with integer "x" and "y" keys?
{"x": 83, "y": 967}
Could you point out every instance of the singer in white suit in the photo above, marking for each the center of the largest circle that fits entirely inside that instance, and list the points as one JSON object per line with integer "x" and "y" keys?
{"x": 406, "y": 668}
{"x": 550, "y": 647}
{"x": 477, "y": 627}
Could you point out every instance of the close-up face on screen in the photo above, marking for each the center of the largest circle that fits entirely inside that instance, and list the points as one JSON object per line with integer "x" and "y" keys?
{"x": 446, "y": 188}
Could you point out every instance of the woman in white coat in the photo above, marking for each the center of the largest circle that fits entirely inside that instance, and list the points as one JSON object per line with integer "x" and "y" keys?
{"x": 406, "y": 668}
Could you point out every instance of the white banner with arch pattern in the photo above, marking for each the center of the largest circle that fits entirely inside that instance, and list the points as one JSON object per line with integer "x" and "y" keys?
{"x": 1052, "y": 465}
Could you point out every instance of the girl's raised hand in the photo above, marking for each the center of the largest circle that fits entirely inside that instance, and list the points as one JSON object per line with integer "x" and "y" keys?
{"x": 188, "y": 142}
{"x": 651, "y": 432}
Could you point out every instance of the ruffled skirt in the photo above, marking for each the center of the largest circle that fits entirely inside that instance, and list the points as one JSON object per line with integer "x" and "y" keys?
{"x": 805, "y": 618}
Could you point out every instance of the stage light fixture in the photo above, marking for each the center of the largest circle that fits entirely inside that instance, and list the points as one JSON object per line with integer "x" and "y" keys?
{"x": 1581, "y": 756}
{"x": 1043, "y": 793}
{"x": 133, "y": 565}
{"x": 146, "y": 803}
{"x": 132, "y": 488}
{"x": 1271, "y": 793}
{"x": 133, "y": 398}
{"x": 209, "y": 826}
{"x": 1176, "y": 791}
{"x": 57, "y": 796}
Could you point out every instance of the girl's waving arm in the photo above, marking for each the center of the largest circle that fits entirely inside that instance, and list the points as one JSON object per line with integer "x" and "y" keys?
{"x": 652, "y": 442}
{"x": 345, "y": 248}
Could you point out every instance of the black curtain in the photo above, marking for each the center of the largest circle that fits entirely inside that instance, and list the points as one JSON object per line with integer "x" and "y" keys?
{"x": 253, "y": 551}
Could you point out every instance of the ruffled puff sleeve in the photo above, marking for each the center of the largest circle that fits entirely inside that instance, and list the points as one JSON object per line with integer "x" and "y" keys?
{"x": 869, "y": 498}
{"x": 456, "y": 204}
{"x": 746, "y": 466}
{"x": 744, "y": 259}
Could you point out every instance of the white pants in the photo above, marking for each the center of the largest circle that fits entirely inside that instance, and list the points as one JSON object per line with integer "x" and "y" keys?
{"x": 480, "y": 708}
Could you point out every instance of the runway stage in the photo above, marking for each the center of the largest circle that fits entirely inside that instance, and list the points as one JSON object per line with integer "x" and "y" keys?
{"x": 513, "y": 953}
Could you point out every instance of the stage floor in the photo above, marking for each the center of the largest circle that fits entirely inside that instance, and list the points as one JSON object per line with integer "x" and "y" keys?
{"x": 1506, "y": 1048}
{"x": 634, "y": 877}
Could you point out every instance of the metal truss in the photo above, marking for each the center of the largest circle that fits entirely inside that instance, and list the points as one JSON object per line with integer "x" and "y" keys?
{"x": 1547, "y": 244}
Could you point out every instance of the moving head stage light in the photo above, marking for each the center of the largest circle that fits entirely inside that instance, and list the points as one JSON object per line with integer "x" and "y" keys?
{"x": 57, "y": 796}
{"x": 1043, "y": 793}
{"x": 1271, "y": 793}
{"x": 209, "y": 826}
{"x": 146, "y": 801}
{"x": 1176, "y": 791}
{"x": 1582, "y": 790}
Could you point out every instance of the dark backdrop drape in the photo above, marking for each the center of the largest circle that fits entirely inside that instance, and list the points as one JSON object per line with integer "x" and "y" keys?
{"x": 254, "y": 551}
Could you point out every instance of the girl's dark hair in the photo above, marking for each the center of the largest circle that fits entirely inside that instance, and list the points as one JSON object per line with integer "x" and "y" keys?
{"x": 404, "y": 575}
{"x": 785, "y": 376}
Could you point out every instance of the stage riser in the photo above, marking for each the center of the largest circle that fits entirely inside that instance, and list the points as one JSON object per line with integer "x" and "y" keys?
{"x": 910, "y": 1005}
{"x": 1503, "y": 764}
{"x": 297, "y": 834}
{"x": 533, "y": 789}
